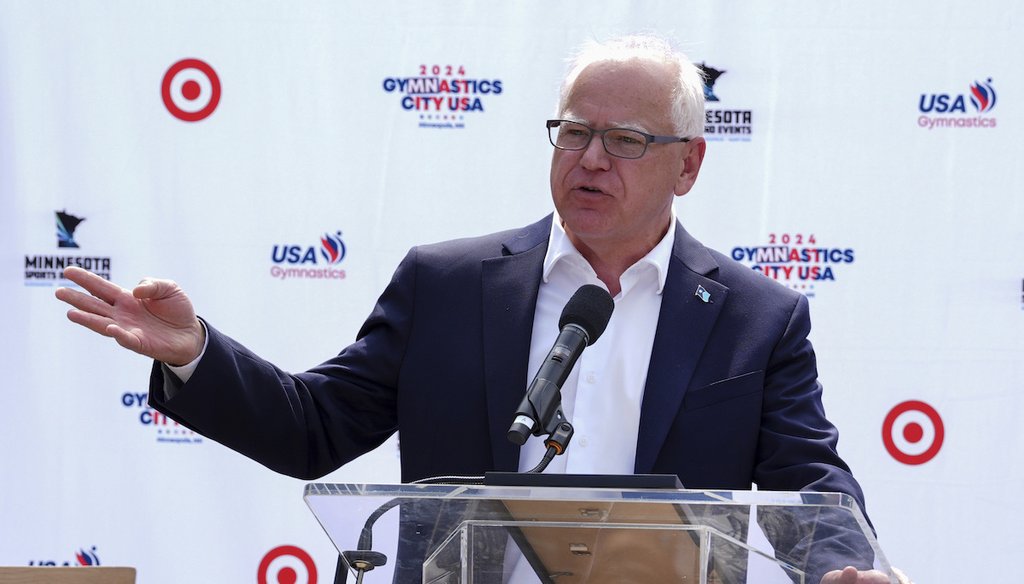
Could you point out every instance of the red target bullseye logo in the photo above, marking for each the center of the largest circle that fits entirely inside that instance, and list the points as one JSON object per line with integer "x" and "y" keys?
{"x": 913, "y": 432}
{"x": 191, "y": 90}
{"x": 287, "y": 564}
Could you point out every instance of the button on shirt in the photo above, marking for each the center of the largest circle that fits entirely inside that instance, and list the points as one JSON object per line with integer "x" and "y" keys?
{"x": 603, "y": 393}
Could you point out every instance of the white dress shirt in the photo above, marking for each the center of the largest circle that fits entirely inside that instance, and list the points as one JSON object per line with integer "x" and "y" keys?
{"x": 603, "y": 393}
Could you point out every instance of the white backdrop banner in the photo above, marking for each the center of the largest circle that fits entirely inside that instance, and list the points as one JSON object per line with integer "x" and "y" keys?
{"x": 277, "y": 159}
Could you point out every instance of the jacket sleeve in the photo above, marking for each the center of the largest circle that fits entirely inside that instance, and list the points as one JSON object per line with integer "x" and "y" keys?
{"x": 797, "y": 452}
{"x": 797, "y": 444}
{"x": 307, "y": 424}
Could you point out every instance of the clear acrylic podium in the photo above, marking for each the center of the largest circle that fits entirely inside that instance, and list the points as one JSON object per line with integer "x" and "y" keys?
{"x": 486, "y": 534}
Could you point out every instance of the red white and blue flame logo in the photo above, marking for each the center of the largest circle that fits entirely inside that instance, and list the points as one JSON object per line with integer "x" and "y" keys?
{"x": 87, "y": 558}
{"x": 983, "y": 96}
{"x": 332, "y": 248}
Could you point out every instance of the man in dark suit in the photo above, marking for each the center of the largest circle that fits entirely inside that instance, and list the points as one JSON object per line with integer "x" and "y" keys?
{"x": 716, "y": 376}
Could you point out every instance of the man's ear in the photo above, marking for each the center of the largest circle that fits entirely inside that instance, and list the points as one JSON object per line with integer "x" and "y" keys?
{"x": 692, "y": 160}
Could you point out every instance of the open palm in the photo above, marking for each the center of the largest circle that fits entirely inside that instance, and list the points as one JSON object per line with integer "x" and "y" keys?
{"x": 155, "y": 319}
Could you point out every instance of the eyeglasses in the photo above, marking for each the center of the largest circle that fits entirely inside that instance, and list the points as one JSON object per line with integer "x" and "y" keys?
{"x": 620, "y": 142}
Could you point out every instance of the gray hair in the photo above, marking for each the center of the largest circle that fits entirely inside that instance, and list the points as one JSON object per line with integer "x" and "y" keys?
{"x": 687, "y": 94}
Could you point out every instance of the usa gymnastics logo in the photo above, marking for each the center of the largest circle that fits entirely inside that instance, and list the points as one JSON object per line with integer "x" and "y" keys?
{"x": 946, "y": 110}
{"x": 443, "y": 95}
{"x": 732, "y": 125}
{"x": 190, "y": 90}
{"x": 48, "y": 269}
{"x": 286, "y": 564}
{"x": 165, "y": 430}
{"x": 83, "y": 557}
{"x": 913, "y": 432}
{"x": 314, "y": 262}
{"x": 796, "y": 260}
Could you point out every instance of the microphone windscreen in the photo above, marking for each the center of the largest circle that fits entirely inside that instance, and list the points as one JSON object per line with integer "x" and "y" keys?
{"x": 590, "y": 308}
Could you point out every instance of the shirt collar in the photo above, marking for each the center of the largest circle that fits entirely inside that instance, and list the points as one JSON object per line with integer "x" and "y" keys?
{"x": 560, "y": 249}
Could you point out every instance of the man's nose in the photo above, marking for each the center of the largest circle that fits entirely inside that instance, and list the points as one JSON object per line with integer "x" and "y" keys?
{"x": 595, "y": 157}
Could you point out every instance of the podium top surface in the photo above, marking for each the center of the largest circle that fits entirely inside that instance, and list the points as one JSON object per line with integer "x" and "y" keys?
{"x": 688, "y": 496}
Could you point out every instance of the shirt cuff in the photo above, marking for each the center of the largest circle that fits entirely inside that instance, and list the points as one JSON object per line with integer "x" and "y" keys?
{"x": 184, "y": 372}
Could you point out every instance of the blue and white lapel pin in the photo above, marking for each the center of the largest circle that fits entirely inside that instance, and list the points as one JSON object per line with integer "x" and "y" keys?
{"x": 703, "y": 294}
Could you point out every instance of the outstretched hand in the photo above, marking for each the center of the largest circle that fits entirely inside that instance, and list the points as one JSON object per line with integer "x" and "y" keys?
{"x": 155, "y": 319}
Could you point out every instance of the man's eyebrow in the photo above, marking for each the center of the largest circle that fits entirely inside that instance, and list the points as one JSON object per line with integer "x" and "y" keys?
{"x": 572, "y": 117}
{"x": 630, "y": 125}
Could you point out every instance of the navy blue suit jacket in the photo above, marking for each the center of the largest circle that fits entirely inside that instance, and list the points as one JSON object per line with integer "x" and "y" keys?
{"x": 731, "y": 397}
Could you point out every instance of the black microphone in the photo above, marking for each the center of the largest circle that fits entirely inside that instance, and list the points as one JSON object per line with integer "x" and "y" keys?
{"x": 583, "y": 320}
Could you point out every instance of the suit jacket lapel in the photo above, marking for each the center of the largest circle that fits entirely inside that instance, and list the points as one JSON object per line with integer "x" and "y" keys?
{"x": 509, "y": 287}
{"x": 684, "y": 324}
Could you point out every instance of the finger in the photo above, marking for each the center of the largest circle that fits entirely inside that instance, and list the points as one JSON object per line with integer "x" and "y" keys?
{"x": 93, "y": 322}
{"x": 126, "y": 339}
{"x": 84, "y": 302}
{"x": 849, "y": 575}
{"x": 95, "y": 285}
{"x": 153, "y": 288}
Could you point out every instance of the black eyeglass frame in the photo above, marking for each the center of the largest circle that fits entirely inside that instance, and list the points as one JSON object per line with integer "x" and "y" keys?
{"x": 650, "y": 138}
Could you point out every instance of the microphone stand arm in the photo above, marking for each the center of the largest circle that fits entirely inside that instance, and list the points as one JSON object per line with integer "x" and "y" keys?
{"x": 559, "y": 432}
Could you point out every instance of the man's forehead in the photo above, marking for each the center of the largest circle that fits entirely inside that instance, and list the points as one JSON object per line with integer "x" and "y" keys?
{"x": 633, "y": 72}
{"x": 631, "y": 94}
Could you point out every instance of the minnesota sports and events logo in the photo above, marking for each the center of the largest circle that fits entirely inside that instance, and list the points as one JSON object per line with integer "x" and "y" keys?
{"x": 950, "y": 110}
{"x": 48, "y": 269}
{"x": 443, "y": 96}
{"x": 66, "y": 226}
{"x": 797, "y": 260}
{"x": 723, "y": 124}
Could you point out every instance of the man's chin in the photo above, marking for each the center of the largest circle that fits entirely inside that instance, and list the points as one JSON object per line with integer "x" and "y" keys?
{"x": 585, "y": 224}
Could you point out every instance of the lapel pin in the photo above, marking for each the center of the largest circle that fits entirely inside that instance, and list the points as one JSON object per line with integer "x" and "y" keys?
{"x": 703, "y": 294}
